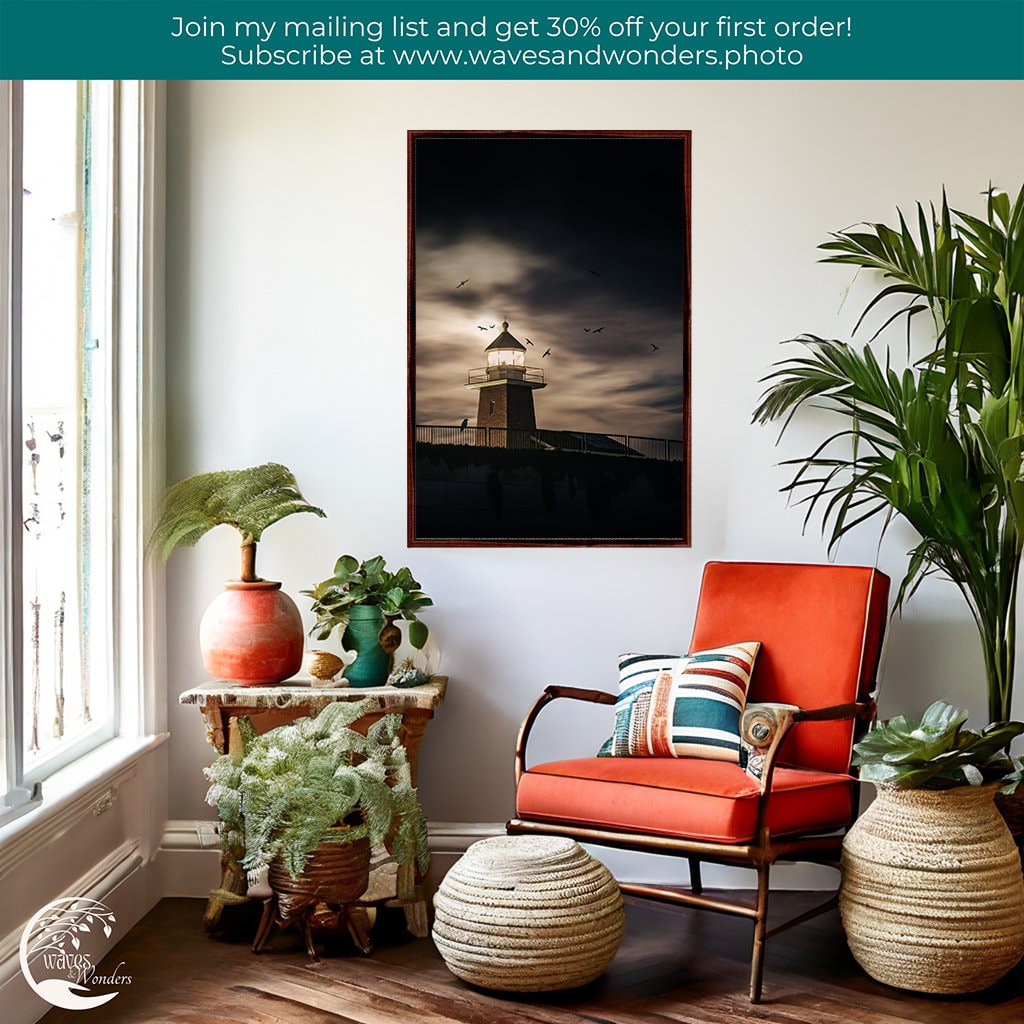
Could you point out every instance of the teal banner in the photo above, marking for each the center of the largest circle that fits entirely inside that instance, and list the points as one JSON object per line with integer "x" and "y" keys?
{"x": 520, "y": 39}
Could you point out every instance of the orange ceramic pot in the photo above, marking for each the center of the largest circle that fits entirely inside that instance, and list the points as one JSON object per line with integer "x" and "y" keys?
{"x": 252, "y": 633}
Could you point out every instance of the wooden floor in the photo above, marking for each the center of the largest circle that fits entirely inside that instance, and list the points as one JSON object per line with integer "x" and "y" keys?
{"x": 675, "y": 966}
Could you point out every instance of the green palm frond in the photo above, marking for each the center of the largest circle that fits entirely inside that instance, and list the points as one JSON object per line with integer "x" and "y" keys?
{"x": 940, "y": 443}
{"x": 250, "y": 500}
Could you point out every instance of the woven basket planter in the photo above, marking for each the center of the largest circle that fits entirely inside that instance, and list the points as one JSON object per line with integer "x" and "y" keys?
{"x": 336, "y": 875}
{"x": 932, "y": 896}
{"x": 528, "y": 914}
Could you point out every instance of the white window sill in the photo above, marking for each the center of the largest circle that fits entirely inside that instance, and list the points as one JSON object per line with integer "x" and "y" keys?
{"x": 81, "y": 788}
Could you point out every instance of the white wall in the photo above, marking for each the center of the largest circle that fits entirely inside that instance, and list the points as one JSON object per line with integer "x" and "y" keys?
{"x": 287, "y": 341}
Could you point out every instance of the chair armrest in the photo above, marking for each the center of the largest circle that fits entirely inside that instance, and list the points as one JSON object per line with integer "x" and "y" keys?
{"x": 552, "y": 693}
{"x": 837, "y": 712}
{"x": 763, "y": 727}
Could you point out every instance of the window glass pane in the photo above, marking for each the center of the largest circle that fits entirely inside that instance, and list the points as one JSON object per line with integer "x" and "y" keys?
{"x": 64, "y": 402}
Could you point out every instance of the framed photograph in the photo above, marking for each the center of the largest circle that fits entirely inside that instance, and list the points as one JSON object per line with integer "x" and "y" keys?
{"x": 549, "y": 334}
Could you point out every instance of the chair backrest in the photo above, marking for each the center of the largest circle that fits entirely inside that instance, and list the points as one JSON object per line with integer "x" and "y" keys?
{"x": 820, "y": 628}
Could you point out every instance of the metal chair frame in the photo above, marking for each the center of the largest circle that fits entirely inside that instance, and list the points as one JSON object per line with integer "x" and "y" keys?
{"x": 759, "y": 855}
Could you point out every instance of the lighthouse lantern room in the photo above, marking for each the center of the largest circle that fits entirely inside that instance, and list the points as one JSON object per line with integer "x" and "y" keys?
{"x": 506, "y": 385}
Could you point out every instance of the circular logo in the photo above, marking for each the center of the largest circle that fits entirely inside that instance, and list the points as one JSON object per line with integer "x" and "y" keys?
{"x": 57, "y": 949}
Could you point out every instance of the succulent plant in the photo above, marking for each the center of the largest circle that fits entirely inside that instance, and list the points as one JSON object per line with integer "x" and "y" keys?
{"x": 935, "y": 751}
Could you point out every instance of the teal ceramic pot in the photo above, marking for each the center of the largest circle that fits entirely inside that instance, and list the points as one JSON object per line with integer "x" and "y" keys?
{"x": 371, "y": 665}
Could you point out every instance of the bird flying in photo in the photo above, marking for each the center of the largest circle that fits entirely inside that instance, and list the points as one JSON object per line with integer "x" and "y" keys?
{"x": 548, "y": 352}
{"x": 461, "y": 283}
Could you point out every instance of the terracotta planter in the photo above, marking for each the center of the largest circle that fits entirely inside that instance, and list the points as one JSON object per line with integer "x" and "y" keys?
{"x": 252, "y": 633}
{"x": 932, "y": 897}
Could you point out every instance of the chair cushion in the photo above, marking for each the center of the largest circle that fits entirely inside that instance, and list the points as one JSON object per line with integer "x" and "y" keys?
{"x": 681, "y": 797}
{"x": 672, "y": 706}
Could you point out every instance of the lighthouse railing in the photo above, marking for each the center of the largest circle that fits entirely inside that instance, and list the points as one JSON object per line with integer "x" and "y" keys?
{"x": 483, "y": 374}
{"x": 624, "y": 445}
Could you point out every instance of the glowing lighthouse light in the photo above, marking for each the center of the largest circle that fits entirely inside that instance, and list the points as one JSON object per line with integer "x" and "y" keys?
{"x": 506, "y": 385}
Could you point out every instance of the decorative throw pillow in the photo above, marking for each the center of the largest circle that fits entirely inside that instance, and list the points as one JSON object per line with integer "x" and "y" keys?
{"x": 689, "y": 706}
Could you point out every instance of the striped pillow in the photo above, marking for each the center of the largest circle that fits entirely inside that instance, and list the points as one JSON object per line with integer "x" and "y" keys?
{"x": 688, "y": 706}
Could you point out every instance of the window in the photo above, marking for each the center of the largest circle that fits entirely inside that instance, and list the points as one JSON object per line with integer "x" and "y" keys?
{"x": 77, "y": 350}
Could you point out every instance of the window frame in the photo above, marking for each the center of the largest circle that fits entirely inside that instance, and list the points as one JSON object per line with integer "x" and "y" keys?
{"x": 134, "y": 639}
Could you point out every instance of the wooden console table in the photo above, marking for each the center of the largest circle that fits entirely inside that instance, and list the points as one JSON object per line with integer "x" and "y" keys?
{"x": 223, "y": 703}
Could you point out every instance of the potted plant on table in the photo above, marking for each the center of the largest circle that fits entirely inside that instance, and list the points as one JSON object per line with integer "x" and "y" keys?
{"x": 306, "y": 802}
{"x": 362, "y": 601}
{"x": 932, "y": 895}
{"x": 252, "y": 632}
{"x": 939, "y": 443}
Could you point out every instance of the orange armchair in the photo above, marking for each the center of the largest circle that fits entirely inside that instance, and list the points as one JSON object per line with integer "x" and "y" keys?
{"x": 820, "y": 628}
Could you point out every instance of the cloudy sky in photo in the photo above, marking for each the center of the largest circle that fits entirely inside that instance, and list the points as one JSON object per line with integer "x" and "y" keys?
{"x": 580, "y": 243}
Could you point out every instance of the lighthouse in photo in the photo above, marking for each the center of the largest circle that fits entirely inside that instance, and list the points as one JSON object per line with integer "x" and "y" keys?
{"x": 506, "y": 386}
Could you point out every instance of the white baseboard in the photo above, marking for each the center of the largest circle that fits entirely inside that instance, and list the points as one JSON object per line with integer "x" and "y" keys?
{"x": 190, "y": 860}
{"x": 189, "y": 855}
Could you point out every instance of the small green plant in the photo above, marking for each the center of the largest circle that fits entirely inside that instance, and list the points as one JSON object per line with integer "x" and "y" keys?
{"x": 354, "y": 583}
{"x": 298, "y": 782}
{"x": 935, "y": 751}
{"x": 250, "y": 500}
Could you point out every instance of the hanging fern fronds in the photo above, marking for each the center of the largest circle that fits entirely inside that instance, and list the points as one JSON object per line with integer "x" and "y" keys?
{"x": 250, "y": 500}
{"x": 296, "y": 783}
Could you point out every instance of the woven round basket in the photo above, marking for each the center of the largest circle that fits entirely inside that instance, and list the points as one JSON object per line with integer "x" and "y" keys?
{"x": 932, "y": 896}
{"x": 528, "y": 914}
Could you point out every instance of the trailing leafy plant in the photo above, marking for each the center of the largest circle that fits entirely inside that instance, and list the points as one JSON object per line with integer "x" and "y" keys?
{"x": 296, "y": 784}
{"x": 941, "y": 442}
{"x": 354, "y": 583}
{"x": 935, "y": 751}
{"x": 250, "y": 500}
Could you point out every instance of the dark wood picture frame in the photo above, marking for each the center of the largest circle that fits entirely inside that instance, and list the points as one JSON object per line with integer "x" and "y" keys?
{"x": 549, "y": 338}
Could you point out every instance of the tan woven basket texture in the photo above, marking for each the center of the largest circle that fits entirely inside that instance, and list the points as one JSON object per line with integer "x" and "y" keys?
{"x": 932, "y": 895}
{"x": 528, "y": 914}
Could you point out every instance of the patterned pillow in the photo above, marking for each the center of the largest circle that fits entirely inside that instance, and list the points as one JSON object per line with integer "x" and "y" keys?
{"x": 688, "y": 706}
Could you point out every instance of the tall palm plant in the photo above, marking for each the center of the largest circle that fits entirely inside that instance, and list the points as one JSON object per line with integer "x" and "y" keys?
{"x": 941, "y": 441}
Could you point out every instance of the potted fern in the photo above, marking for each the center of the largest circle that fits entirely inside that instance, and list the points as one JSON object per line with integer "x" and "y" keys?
{"x": 252, "y": 632}
{"x": 941, "y": 442}
{"x": 362, "y": 601}
{"x": 306, "y": 802}
{"x": 932, "y": 896}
